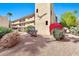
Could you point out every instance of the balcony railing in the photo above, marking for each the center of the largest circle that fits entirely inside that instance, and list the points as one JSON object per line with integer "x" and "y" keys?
{"x": 23, "y": 23}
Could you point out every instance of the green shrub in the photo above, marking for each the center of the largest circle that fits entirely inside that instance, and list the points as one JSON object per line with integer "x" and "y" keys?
{"x": 31, "y": 30}
{"x": 58, "y": 34}
{"x": 69, "y": 19}
{"x": 74, "y": 30}
{"x": 4, "y": 31}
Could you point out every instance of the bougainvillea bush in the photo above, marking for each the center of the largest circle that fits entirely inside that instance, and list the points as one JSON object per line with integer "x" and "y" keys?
{"x": 55, "y": 25}
{"x": 57, "y": 31}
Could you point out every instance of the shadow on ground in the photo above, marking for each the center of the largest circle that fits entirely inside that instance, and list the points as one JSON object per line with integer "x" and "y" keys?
{"x": 30, "y": 44}
{"x": 69, "y": 39}
{"x": 73, "y": 39}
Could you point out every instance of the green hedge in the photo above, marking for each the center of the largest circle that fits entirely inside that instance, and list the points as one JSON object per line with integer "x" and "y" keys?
{"x": 4, "y": 31}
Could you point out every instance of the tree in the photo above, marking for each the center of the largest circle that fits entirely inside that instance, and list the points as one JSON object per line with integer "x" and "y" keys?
{"x": 9, "y": 14}
{"x": 68, "y": 19}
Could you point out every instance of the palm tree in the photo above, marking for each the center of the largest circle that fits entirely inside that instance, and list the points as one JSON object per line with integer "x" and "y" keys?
{"x": 9, "y": 14}
{"x": 75, "y": 12}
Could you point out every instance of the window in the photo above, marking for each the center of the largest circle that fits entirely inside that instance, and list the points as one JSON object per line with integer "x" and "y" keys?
{"x": 56, "y": 18}
{"x": 36, "y": 10}
{"x": 46, "y": 22}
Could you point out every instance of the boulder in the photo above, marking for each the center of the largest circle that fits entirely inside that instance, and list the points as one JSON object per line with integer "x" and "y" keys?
{"x": 10, "y": 39}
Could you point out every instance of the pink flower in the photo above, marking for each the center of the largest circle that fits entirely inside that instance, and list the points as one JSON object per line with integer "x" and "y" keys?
{"x": 55, "y": 25}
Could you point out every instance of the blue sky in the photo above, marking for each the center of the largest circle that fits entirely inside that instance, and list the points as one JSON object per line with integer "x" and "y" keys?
{"x": 17, "y": 9}
{"x": 23, "y": 9}
{"x": 60, "y": 8}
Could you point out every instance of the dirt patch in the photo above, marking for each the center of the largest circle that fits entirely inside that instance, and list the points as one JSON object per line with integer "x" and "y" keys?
{"x": 42, "y": 46}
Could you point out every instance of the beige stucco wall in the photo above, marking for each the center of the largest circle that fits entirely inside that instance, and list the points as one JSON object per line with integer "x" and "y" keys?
{"x": 17, "y": 22}
{"x": 4, "y": 21}
{"x": 30, "y": 19}
{"x": 53, "y": 16}
{"x": 29, "y": 24}
{"x": 40, "y": 25}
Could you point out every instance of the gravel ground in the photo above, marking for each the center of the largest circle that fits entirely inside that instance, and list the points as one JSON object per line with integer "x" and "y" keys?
{"x": 44, "y": 46}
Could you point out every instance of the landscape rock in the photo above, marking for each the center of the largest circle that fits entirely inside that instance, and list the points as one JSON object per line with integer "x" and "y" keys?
{"x": 10, "y": 39}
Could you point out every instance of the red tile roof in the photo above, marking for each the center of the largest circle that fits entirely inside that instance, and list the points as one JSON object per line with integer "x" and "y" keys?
{"x": 23, "y": 18}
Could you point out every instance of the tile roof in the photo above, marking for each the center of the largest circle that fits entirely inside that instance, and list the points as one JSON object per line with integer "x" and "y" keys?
{"x": 23, "y": 18}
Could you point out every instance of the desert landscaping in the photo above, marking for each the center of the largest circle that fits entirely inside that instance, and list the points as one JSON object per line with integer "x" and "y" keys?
{"x": 43, "y": 46}
{"x": 42, "y": 32}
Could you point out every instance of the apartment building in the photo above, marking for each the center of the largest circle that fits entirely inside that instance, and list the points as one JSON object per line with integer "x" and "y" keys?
{"x": 41, "y": 19}
{"x": 23, "y": 22}
{"x": 4, "y": 22}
